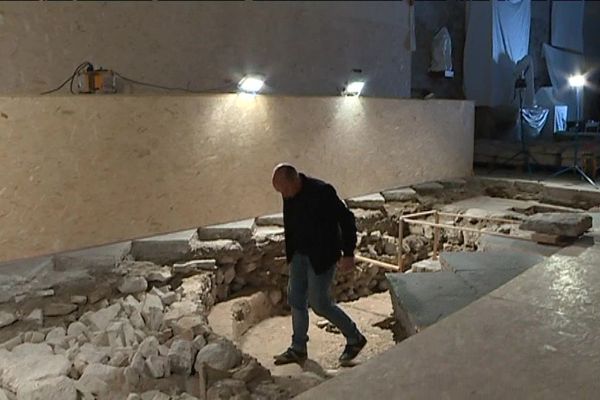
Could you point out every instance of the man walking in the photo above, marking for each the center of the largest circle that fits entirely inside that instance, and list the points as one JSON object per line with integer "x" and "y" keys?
{"x": 319, "y": 229}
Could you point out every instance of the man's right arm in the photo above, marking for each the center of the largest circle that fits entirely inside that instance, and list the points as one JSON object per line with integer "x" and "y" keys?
{"x": 289, "y": 249}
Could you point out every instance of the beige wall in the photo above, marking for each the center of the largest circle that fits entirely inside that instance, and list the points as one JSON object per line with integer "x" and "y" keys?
{"x": 307, "y": 48}
{"x": 79, "y": 171}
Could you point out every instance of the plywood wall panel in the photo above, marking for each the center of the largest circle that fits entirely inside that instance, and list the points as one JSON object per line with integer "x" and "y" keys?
{"x": 77, "y": 171}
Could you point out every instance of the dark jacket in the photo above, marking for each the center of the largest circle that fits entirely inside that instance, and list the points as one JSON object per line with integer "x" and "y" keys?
{"x": 318, "y": 222}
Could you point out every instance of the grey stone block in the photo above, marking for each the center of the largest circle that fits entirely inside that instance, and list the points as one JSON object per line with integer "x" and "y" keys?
{"x": 269, "y": 220}
{"x": 101, "y": 257}
{"x": 508, "y": 245}
{"x": 403, "y": 194}
{"x": 559, "y": 224}
{"x": 241, "y": 231}
{"x": 373, "y": 201}
{"x": 164, "y": 249}
{"x": 428, "y": 188}
{"x": 487, "y": 261}
{"x": 420, "y": 300}
{"x": 427, "y": 265}
{"x": 456, "y": 183}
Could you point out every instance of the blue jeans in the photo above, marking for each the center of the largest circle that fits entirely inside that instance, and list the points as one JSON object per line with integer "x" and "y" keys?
{"x": 304, "y": 288}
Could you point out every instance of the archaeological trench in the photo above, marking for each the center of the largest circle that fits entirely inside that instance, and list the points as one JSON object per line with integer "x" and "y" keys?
{"x": 131, "y": 320}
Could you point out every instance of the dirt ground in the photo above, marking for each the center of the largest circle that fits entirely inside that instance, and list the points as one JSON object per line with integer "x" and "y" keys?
{"x": 272, "y": 336}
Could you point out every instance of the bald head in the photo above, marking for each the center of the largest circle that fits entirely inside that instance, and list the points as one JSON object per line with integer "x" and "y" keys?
{"x": 286, "y": 180}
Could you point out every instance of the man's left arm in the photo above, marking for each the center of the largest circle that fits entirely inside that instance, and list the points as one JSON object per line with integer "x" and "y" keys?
{"x": 347, "y": 223}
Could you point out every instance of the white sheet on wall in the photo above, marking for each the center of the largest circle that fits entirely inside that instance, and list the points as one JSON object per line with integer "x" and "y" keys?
{"x": 567, "y": 24}
{"x": 497, "y": 38}
{"x": 562, "y": 64}
{"x": 511, "y": 24}
{"x": 557, "y": 112}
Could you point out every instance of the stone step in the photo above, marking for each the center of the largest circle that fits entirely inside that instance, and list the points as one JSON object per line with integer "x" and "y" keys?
{"x": 402, "y": 194}
{"x": 420, "y": 300}
{"x": 164, "y": 249}
{"x": 428, "y": 265}
{"x": 373, "y": 201}
{"x": 558, "y": 223}
{"x": 487, "y": 261}
{"x": 241, "y": 231}
{"x": 428, "y": 188}
{"x": 100, "y": 257}
{"x": 508, "y": 245}
{"x": 270, "y": 220}
{"x": 263, "y": 233}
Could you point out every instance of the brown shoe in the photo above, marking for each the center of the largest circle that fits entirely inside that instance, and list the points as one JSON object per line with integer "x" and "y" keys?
{"x": 290, "y": 356}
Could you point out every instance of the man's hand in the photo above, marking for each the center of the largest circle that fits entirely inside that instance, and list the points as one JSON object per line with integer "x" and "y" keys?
{"x": 346, "y": 263}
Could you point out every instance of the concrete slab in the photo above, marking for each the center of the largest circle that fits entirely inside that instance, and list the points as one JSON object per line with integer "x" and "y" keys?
{"x": 560, "y": 224}
{"x": 427, "y": 265}
{"x": 490, "y": 204}
{"x": 570, "y": 196}
{"x": 478, "y": 213}
{"x": 456, "y": 183}
{"x": 508, "y": 245}
{"x": 164, "y": 249}
{"x": 238, "y": 230}
{"x": 101, "y": 257}
{"x": 475, "y": 353}
{"x": 268, "y": 220}
{"x": 487, "y": 261}
{"x": 467, "y": 356}
{"x": 421, "y": 300}
{"x": 402, "y": 194}
{"x": 16, "y": 275}
{"x": 428, "y": 188}
{"x": 26, "y": 269}
{"x": 373, "y": 201}
{"x": 571, "y": 285}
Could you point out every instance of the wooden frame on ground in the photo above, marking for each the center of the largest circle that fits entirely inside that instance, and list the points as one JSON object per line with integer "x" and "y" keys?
{"x": 412, "y": 219}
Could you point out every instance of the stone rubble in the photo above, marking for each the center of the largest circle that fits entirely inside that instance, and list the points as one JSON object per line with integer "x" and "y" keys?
{"x": 141, "y": 332}
{"x": 6, "y": 318}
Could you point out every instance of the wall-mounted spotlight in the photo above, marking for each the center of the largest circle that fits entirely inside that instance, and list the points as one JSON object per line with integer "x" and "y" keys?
{"x": 577, "y": 81}
{"x": 251, "y": 84}
{"x": 353, "y": 88}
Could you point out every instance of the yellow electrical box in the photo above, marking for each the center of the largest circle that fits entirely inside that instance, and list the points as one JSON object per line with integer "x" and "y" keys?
{"x": 97, "y": 81}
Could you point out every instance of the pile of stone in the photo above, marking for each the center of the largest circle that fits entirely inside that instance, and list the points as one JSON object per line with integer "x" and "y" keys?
{"x": 151, "y": 343}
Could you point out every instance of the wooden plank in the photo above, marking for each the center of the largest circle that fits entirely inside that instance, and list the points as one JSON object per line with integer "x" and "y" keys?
{"x": 378, "y": 263}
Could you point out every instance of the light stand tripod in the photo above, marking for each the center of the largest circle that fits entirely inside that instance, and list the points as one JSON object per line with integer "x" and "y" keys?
{"x": 576, "y": 167}
{"x": 520, "y": 86}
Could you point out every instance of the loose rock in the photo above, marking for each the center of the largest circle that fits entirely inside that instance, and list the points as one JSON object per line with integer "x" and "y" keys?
{"x": 181, "y": 357}
{"x": 58, "y": 388}
{"x": 59, "y": 309}
{"x": 6, "y": 318}
{"x": 80, "y": 300}
{"x": 221, "y": 355}
{"x": 228, "y": 389}
{"x": 133, "y": 284}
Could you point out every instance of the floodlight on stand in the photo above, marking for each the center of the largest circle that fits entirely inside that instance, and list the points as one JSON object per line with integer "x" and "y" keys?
{"x": 354, "y": 88}
{"x": 577, "y": 81}
{"x": 251, "y": 84}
